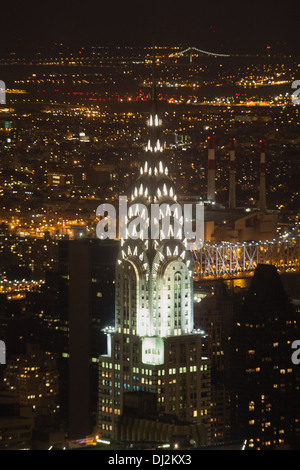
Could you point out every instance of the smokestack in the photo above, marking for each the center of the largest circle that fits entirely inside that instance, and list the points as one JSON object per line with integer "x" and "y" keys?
{"x": 232, "y": 194}
{"x": 262, "y": 182}
{"x": 211, "y": 173}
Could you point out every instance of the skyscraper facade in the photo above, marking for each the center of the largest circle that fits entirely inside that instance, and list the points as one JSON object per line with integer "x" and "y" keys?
{"x": 153, "y": 346}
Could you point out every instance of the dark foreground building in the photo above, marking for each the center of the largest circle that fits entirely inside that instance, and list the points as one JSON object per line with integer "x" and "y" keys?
{"x": 91, "y": 274}
{"x": 266, "y": 383}
{"x": 78, "y": 301}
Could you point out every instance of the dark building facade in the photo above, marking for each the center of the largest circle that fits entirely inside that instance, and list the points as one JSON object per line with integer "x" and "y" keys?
{"x": 90, "y": 277}
{"x": 266, "y": 384}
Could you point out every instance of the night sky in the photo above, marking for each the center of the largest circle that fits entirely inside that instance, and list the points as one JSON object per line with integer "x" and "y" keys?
{"x": 242, "y": 27}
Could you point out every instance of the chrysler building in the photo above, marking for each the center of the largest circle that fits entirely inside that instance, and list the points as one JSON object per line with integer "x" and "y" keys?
{"x": 153, "y": 346}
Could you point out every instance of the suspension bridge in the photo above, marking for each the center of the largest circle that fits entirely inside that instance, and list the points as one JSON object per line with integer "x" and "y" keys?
{"x": 195, "y": 51}
{"x": 228, "y": 260}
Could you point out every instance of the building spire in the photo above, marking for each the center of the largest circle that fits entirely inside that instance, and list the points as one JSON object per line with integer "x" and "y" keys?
{"x": 153, "y": 184}
{"x": 154, "y": 187}
{"x": 154, "y": 101}
{"x": 153, "y": 88}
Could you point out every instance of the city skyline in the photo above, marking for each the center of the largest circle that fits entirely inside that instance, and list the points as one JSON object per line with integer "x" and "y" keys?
{"x": 138, "y": 338}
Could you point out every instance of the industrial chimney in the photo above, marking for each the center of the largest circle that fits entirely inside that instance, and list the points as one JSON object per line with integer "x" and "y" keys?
{"x": 232, "y": 190}
{"x": 262, "y": 182}
{"x": 211, "y": 173}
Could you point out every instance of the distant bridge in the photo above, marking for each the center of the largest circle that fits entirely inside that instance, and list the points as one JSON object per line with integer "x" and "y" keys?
{"x": 190, "y": 50}
{"x": 227, "y": 260}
